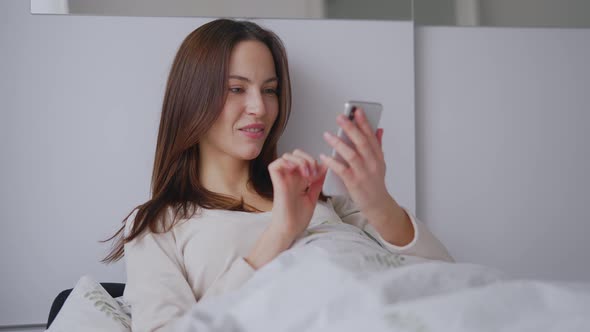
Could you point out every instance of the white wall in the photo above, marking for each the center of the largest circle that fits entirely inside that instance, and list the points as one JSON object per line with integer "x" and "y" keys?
{"x": 80, "y": 98}
{"x": 503, "y": 154}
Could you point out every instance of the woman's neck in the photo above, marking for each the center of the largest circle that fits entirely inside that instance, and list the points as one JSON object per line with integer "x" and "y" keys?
{"x": 224, "y": 174}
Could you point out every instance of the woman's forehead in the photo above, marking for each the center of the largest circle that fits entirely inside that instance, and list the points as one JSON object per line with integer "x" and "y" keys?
{"x": 252, "y": 60}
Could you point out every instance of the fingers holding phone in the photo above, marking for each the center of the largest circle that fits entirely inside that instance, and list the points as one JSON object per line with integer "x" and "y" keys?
{"x": 357, "y": 165}
{"x": 361, "y": 158}
{"x": 355, "y": 149}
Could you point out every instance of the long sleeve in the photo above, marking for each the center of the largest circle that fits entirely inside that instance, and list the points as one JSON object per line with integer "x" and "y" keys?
{"x": 169, "y": 272}
{"x": 156, "y": 288}
{"x": 238, "y": 273}
{"x": 424, "y": 244}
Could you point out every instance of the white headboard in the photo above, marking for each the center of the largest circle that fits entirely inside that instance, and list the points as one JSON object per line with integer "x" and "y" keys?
{"x": 81, "y": 97}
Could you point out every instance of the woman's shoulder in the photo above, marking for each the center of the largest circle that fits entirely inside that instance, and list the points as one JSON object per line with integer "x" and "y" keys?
{"x": 169, "y": 218}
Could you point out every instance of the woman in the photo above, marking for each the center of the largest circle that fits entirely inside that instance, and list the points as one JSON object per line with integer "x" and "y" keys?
{"x": 223, "y": 205}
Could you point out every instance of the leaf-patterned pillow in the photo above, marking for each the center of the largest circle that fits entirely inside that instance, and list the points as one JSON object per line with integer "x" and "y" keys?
{"x": 90, "y": 308}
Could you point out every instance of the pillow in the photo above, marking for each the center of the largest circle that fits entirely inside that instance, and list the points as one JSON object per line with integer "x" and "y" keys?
{"x": 90, "y": 308}
{"x": 125, "y": 307}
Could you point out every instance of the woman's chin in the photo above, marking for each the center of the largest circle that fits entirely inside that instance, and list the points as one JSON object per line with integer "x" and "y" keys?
{"x": 250, "y": 155}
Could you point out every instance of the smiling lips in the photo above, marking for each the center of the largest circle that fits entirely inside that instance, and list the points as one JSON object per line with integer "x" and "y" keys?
{"x": 255, "y": 130}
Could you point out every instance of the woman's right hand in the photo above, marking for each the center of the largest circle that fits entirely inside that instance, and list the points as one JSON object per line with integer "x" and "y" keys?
{"x": 297, "y": 181}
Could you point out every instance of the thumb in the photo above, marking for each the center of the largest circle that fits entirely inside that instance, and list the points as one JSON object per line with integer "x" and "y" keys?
{"x": 316, "y": 187}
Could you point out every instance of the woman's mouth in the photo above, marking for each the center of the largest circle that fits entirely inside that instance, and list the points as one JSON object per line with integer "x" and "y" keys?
{"x": 253, "y": 131}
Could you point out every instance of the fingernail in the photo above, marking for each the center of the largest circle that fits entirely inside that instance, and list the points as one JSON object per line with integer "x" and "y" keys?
{"x": 328, "y": 136}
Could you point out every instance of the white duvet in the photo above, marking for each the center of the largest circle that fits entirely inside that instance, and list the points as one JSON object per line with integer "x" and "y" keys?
{"x": 309, "y": 288}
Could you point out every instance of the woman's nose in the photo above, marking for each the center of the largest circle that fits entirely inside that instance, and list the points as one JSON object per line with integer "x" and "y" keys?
{"x": 255, "y": 104}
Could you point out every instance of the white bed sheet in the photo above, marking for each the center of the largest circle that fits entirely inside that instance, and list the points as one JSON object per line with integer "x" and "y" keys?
{"x": 309, "y": 288}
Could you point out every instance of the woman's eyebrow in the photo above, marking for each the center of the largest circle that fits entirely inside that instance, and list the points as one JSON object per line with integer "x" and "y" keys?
{"x": 242, "y": 78}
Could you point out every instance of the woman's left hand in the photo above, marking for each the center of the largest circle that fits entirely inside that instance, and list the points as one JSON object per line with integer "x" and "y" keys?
{"x": 364, "y": 177}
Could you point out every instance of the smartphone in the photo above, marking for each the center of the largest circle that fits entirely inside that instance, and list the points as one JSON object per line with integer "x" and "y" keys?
{"x": 333, "y": 185}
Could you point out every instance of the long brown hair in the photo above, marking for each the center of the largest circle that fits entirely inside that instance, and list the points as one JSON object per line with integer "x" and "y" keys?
{"x": 194, "y": 98}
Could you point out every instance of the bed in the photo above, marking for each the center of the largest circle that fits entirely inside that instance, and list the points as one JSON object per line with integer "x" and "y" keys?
{"x": 310, "y": 289}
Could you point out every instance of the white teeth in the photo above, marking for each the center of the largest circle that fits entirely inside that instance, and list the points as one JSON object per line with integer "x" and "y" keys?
{"x": 252, "y": 130}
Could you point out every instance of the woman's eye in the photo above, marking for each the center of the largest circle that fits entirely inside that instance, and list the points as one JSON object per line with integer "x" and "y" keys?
{"x": 270, "y": 91}
{"x": 236, "y": 90}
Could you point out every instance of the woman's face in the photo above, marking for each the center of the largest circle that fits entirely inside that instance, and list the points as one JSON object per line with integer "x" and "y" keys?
{"x": 251, "y": 106}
